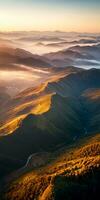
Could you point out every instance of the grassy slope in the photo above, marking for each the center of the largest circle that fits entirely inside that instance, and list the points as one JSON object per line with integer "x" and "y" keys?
{"x": 73, "y": 174}
{"x": 75, "y": 106}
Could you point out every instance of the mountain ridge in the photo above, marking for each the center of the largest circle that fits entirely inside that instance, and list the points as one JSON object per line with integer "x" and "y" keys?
{"x": 78, "y": 117}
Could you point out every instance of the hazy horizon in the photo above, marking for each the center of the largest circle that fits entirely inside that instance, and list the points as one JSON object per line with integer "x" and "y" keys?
{"x": 49, "y": 99}
{"x": 68, "y": 16}
{"x": 59, "y": 31}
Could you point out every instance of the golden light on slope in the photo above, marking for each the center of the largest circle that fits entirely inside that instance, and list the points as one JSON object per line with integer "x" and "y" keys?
{"x": 31, "y": 101}
{"x": 92, "y": 94}
{"x": 43, "y": 105}
{"x": 31, "y": 91}
{"x": 69, "y": 162}
{"x": 36, "y": 107}
{"x": 12, "y": 125}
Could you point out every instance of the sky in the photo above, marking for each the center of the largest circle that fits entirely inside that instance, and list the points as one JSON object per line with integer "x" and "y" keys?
{"x": 50, "y": 15}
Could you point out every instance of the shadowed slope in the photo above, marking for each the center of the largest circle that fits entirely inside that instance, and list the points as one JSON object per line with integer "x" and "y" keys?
{"x": 72, "y": 170}
{"x": 62, "y": 114}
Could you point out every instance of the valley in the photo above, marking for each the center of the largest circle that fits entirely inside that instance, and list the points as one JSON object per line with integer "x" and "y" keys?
{"x": 49, "y": 116}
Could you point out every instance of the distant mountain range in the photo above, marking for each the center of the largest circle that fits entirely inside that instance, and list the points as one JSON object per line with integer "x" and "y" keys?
{"x": 49, "y": 116}
{"x": 12, "y": 58}
{"x": 82, "y": 56}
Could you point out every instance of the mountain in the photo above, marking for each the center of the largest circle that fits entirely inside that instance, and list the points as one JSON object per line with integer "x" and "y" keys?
{"x": 51, "y": 116}
{"x": 70, "y": 43}
{"x": 29, "y": 100}
{"x": 11, "y": 59}
{"x": 71, "y": 173}
{"x": 44, "y": 38}
{"x": 20, "y": 69}
{"x": 83, "y": 56}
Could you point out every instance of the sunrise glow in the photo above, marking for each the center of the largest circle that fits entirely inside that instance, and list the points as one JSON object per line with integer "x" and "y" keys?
{"x": 50, "y": 15}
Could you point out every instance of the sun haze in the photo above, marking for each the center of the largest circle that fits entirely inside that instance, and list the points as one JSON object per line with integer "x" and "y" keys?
{"x": 63, "y": 15}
